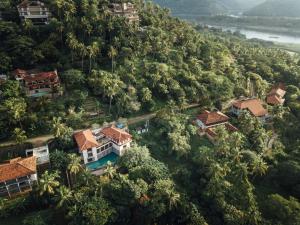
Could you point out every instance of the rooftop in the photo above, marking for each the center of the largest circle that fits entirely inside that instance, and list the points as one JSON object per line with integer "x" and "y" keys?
{"x": 117, "y": 135}
{"x": 209, "y": 118}
{"x": 34, "y": 75}
{"x": 85, "y": 140}
{"x": 18, "y": 167}
{"x": 27, "y": 3}
{"x": 255, "y": 106}
{"x": 275, "y": 96}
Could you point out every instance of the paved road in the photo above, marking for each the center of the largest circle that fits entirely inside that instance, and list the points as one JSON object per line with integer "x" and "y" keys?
{"x": 47, "y": 137}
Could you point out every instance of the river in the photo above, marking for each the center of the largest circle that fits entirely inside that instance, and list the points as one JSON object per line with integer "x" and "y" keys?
{"x": 266, "y": 36}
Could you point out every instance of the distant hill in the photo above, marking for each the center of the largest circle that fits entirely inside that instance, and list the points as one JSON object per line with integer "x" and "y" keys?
{"x": 283, "y": 8}
{"x": 199, "y": 7}
{"x": 207, "y": 7}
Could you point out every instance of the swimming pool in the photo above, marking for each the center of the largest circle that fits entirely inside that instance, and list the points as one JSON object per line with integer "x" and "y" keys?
{"x": 112, "y": 157}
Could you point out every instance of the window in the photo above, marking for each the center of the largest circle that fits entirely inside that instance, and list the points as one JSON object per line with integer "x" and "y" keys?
{"x": 90, "y": 159}
{"x": 110, "y": 144}
{"x": 90, "y": 154}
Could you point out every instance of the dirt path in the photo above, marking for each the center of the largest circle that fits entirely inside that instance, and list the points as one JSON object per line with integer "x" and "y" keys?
{"x": 47, "y": 137}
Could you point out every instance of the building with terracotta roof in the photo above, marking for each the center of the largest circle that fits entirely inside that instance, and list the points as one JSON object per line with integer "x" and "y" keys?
{"x": 17, "y": 176}
{"x": 99, "y": 143}
{"x": 126, "y": 10}
{"x": 254, "y": 106}
{"x": 36, "y": 11}
{"x": 276, "y": 95}
{"x": 209, "y": 121}
{"x": 37, "y": 84}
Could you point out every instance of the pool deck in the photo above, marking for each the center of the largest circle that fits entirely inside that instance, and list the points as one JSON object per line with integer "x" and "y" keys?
{"x": 98, "y": 172}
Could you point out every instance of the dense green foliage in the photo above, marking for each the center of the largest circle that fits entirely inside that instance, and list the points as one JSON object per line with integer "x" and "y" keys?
{"x": 163, "y": 64}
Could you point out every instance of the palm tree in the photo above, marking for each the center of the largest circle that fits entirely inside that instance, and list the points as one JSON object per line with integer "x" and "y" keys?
{"x": 112, "y": 54}
{"x": 20, "y": 136}
{"x": 28, "y": 25}
{"x": 92, "y": 50}
{"x": 86, "y": 177}
{"x": 48, "y": 183}
{"x": 110, "y": 171}
{"x": 74, "y": 165}
{"x": 64, "y": 195}
{"x": 259, "y": 167}
{"x": 173, "y": 197}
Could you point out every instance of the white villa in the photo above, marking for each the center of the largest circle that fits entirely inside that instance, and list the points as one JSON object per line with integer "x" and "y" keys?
{"x": 96, "y": 144}
{"x": 17, "y": 176}
{"x": 126, "y": 10}
{"x": 41, "y": 154}
{"x": 35, "y": 11}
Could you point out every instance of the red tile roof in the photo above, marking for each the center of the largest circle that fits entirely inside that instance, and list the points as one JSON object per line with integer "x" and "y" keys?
{"x": 27, "y": 3}
{"x": 211, "y": 132}
{"x": 229, "y": 127}
{"x": 255, "y": 106}
{"x": 117, "y": 135}
{"x": 209, "y": 118}
{"x": 275, "y": 96}
{"x": 35, "y": 76}
{"x": 277, "y": 91}
{"x": 17, "y": 168}
{"x": 41, "y": 76}
{"x": 85, "y": 140}
{"x": 275, "y": 100}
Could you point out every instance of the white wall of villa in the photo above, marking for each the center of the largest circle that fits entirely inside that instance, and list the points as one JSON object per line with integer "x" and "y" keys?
{"x": 97, "y": 153}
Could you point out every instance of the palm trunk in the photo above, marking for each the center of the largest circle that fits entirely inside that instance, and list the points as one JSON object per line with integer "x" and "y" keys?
{"x": 68, "y": 179}
{"x": 90, "y": 68}
{"x": 110, "y": 104}
{"x": 82, "y": 62}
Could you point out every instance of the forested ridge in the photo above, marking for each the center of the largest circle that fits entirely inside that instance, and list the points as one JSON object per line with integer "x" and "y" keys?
{"x": 250, "y": 177}
{"x": 275, "y": 8}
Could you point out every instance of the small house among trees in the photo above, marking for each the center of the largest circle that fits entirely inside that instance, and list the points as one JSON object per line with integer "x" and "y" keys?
{"x": 208, "y": 121}
{"x": 253, "y": 105}
{"x": 276, "y": 95}
{"x": 126, "y": 10}
{"x": 17, "y": 175}
{"x": 35, "y": 11}
{"x": 37, "y": 84}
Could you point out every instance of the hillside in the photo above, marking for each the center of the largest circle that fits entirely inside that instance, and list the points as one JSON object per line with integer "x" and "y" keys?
{"x": 154, "y": 65}
{"x": 286, "y": 8}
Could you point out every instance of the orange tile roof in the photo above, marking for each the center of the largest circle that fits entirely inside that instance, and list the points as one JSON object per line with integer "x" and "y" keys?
{"x": 117, "y": 135}
{"x": 17, "y": 168}
{"x": 277, "y": 91}
{"x": 275, "y": 96}
{"x": 34, "y": 75}
{"x": 209, "y": 118}
{"x": 275, "y": 100}
{"x": 255, "y": 106}
{"x": 85, "y": 140}
{"x": 211, "y": 131}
